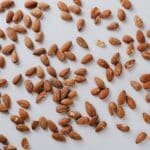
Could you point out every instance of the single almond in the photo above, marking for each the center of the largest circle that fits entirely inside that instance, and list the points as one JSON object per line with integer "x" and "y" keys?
{"x": 43, "y": 122}
{"x": 23, "y": 103}
{"x": 52, "y": 126}
{"x": 106, "y": 13}
{"x": 126, "y": 4}
{"x": 36, "y": 25}
{"x": 87, "y": 59}
{"x": 147, "y": 97}
{"x": 64, "y": 92}
{"x": 56, "y": 83}
{"x": 81, "y": 71}
{"x": 115, "y": 58}
{"x": 9, "y": 16}
{"x": 3, "y": 82}
{"x": 44, "y": 59}
{"x": 109, "y": 74}
{"x": 58, "y": 137}
{"x": 23, "y": 114}
{"x": 83, "y": 120}
{"x": 114, "y": 41}
{"x": 120, "y": 111}
{"x": 52, "y": 50}
{"x": 28, "y": 42}
{"x": 47, "y": 86}
{"x": 102, "y": 63}
{"x": 79, "y": 79}
{"x": 25, "y": 143}
{"x": 30, "y": 4}
{"x": 112, "y": 108}
{"x": 90, "y": 109}
{"x": 142, "y": 47}
{"x": 140, "y": 36}
{"x": 2, "y": 34}
{"x": 19, "y": 28}
{"x": 51, "y": 71}
{"x": 118, "y": 69}
{"x": 69, "y": 82}
{"x": 2, "y": 61}
{"x": 39, "y": 86}
{"x": 113, "y": 26}
{"x": 66, "y": 16}
{"x": 101, "y": 126}
{"x": 34, "y": 124}
{"x": 146, "y": 117}
{"x": 36, "y": 12}
{"x": 71, "y": 56}
{"x": 39, "y": 51}
{"x": 43, "y": 5}
{"x": 131, "y": 102}
{"x": 74, "y": 135}
{"x": 130, "y": 49}
{"x": 17, "y": 79}
{"x": 77, "y": 2}
{"x": 62, "y": 6}
{"x": 11, "y": 33}
{"x": 27, "y": 21}
{"x": 123, "y": 127}
{"x": 122, "y": 97}
{"x": 63, "y": 73}
{"x": 95, "y": 12}
{"x": 64, "y": 121}
{"x": 62, "y": 108}
{"x": 80, "y": 24}
{"x": 74, "y": 114}
{"x": 138, "y": 21}
{"x": 146, "y": 55}
{"x": 140, "y": 137}
{"x": 103, "y": 93}
{"x": 28, "y": 85}
{"x": 127, "y": 39}
{"x": 81, "y": 42}
{"x": 6, "y": 100}
{"x": 136, "y": 85}
{"x": 146, "y": 85}
{"x": 40, "y": 97}
{"x": 99, "y": 82}
{"x": 22, "y": 128}
{"x": 56, "y": 97}
{"x": 30, "y": 71}
{"x": 3, "y": 139}
{"x": 7, "y": 3}
{"x": 40, "y": 72}
{"x": 14, "y": 57}
{"x": 95, "y": 91}
{"x": 18, "y": 16}
{"x": 75, "y": 9}
{"x": 145, "y": 77}
{"x": 121, "y": 15}
{"x": 129, "y": 64}
{"x": 66, "y": 46}
{"x": 61, "y": 56}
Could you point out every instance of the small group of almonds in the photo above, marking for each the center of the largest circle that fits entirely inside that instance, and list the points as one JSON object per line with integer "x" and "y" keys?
{"x": 60, "y": 84}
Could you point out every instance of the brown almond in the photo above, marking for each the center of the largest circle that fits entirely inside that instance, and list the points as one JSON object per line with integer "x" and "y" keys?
{"x": 101, "y": 126}
{"x": 114, "y": 41}
{"x": 81, "y": 71}
{"x": 109, "y": 74}
{"x": 28, "y": 85}
{"x": 66, "y": 129}
{"x": 95, "y": 12}
{"x": 3, "y": 108}
{"x": 9, "y": 16}
{"x": 122, "y": 97}
{"x": 30, "y": 71}
{"x": 23, "y": 114}
{"x": 3, "y": 139}
{"x": 127, "y": 39}
{"x": 16, "y": 119}
{"x": 77, "y": 2}
{"x": 43, "y": 122}
{"x": 43, "y": 5}
{"x": 147, "y": 97}
{"x": 90, "y": 109}
{"x": 74, "y": 135}
{"x": 148, "y": 33}
{"x": 123, "y": 127}
{"x": 94, "y": 121}
{"x": 136, "y": 85}
{"x": 61, "y": 56}
{"x": 18, "y": 16}
{"x": 39, "y": 86}
{"x": 40, "y": 72}
{"x": 2, "y": 34}
{"x": 67, "y": 101}
{"x": 113, "y": 26}
{"x": 40, "y": 97}
{"x": 62, "y": 108}
{"x": 140, "y": 36}
{"x": 129, "y": 64}
{"x": 34, "y": 124}
{"x": 52, "y": 126}
{"x": 112, "y": 108}
{"x": 36, "y": 12}
{"x": 80, "y": 24}
{"x": 138, "y": 21}
{"x": 120, "y": 111}
{"x": 99, "y": 82}
{"x": 44, "y": 59}
{"x": 146, "y": 55}
{"x": 39, "y": 51}
{"x": 3, "y": 82}
{"x": 106, "y": 13}
{"x": 81, "y": 42}
{"x": 118, "y": 69}
{"x": 17, "y": 79}
{"x": 6, "y": 100}
{"x": 64, "y": 92}
{"x": 126, "y": 4}
{"x": 95, "y": 91}
{"x": 47, "y": 86}
{"x": 103, "y": 93}
{"x": 62, "y": 6}
{"x": 66, "y": 46}
{"x": 51, "y": 71}
{"x": 36, "y": 25}
{"x": 145, "y": 77}
{"x": 64, "y": 121}
{"x": 2, "y": 61}
{"x": 7, "y": 3}
{"x": 30, "y": 4}
{"x": 74, "y": 114}
{"x": 102, "y": 63}
{"x": 87, "y": 59}
{"x": 28, "y": 42}
{"x": 19, "y": 28}
{"x": 130, "y": 49}
{"x": 115, "y": 58}
{"x": 27, "y": 21}
{"x": 66, "y": 16}
{"x": 69, "y": 82}
{"x": 22, "y": 128}
{"x": 142, "y": 47}
{"x": 63, "y": 73}
{"x": 52, "y": 50}
{"x": 56, "y": 83}
{"x": 25, "y": 143}
{"x": 58, "y": 137}
{"x": 131, "y": 102}
{"x": 56, "y": 97}
{"x": 121, "y": 15}
{"x": 140, "y": 137}
{"x": 14, "y": 57}
{"x": 39, "y": 37}
{"x": 11, "y": 33}
{"x": 71, "y": 56}
{"x": 23, "y": 103}
{"x": 146, "y": 85}
{"x": 79, "y": 79}
{"x": 75, "y": 9}
{"x": 146, "y": 117}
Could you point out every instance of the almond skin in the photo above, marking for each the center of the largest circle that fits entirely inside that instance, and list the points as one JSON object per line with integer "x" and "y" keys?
{"x": 142, "y": 47}
{"x": 2, "y": 34}
{"x": 69, "y": 82}
{"x": 80, "y": 24}
{"x": 27, "y": 21}
{"x": 66, "y": 16}
{"x": 34, "y": 124}
{"x": 87, "y": 59}
{"x": 6, "y": 100}
{"x": 36, "y": 12}
{"x": 40, "y": 72}
{"x": 90, "y": 109}
{"x": 79, "y": 79}
{"x": 146, "y": 117}
{"x": 131, "y": 102}
{"x": 58, "y": 137}
{"x": 7, "y": 50}
{"x": 123, "y": 127}
{"x": 109, "y": 74}
{"x": 74, "y": 135}
{"x": 101, "y": 126}
{"x": 77, "y": 2}
{"x": 121, "y": 15}
{"x": 9, "y": 16}
{"x": 3, "y": 139}
{"x": 23, "y": 114}
{"x": 7, "y": 4}
{"x": 64, "y": 121}
{"x": 28, "y": 42}
{"x": 112, "y": 108}
{"x": 51, "y": 70}
{"x": 99, "y": 82}
{"x": 114, "y": 41}
{"x": 140, "y": 36}
{"x": 39, "y": 51}
{"x": 19, "y": 28}
{"x": 129, "y": 64}
{"x": 62, "y": 6}
{"x": 30, "y": 71}
{"x": 36, "y": 25}
{"x": 65, "y": 72}
{"x": 113, "y": 26}
{"x": 62, "y": 108}
{"x": 74, "y": 114}
{"x": 23, "y": 103}
{"x": 102, "y": 63}
{"x": 40, "y": 97}
{"x": 52, "y": 126}
{"x": 61, "y": 56}
{"x": 145, "y": 77}
{"x": 118, "y": 69}
{"x": 83, "y": 120}
{"x": 17, "y": 79}
{"x": 136, "y": 85}
{"x": 11, "y": 33}
{"x": 75, "y": 9}
{"x": 122, "y": 97}
{"x": 103, "y": 93}
{"x": 140, "y": 137}
{"x": 81, "y": 42}
{"x": 3, "y": 82}
{"x": 39, "y": 86}
{"x": 81, "y": 71}
{"x": 126, "y": 4}
{"x": 30, "y": 4}
{"x": 22, "y": 128}
{"x": 138, "y": 21}
{"x": 71, "y": 56}
{"x": 147, "y": 97}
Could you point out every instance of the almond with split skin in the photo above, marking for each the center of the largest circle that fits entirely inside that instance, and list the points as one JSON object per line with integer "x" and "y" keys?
{"x": 141, "y": 137}
{"x": 81, "y": 42}
{"x": 87, "y": 59}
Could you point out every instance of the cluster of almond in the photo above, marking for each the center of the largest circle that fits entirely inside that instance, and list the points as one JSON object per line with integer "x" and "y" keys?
{"x": 59, "y": 86}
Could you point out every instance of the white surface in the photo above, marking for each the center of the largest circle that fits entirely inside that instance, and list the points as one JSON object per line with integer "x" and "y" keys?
{"x": 58, "y": 31}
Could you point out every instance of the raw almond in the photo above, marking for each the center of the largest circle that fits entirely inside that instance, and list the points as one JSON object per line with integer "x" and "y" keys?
{"x": 74, "y": 135}
{"x": 25, "y": 143}
{"x": 87, "y": 59}
{"x": 22, "y": 128}
{"x": 67, "y": 101}
{"x": 138, "y": 21}
{"x": 30, "y": 71}
{"x": 56, "y": 83}
{"x": 39, "y": 86}
{"x": 19, "y": 28}
{"x": 43, "y": 122}
{"x": 23, "y": 103}
{"x": 47, "y": 86}
{"x": 63, "y": 73}
{"x": 81, "y": 42}
{"x": 52, "y": 50}
{"x": 122, "y": 97}
{"x": 64, "y": 92}
{"x": 51, "y": 71}
{"x": 34, "y": 124}
{"x": 121, "y": 15}
{"x": 66, "y": 130}
{"x": 23, "y": 114}
{"x": 115, "y": 58}
{"x": 140, "y": 137}
{"x": 36, "y": 25}
{"x": 80, "y": 24}
{"x": 74, "y": 114}
{"x": 69, "y": 82}
{"x": 17, "y": 79}
{"x": 142, "y": 47}
{"x": 112, "y": 108}
{"x": 62, "y": 108}
{"x": 61, "y": 56}
{"x": 99, "y": 82}
{"x": 62, "y": 6}
{"x": 130, "y": 49}
{"x": 64, "y": 121}
{"x": 147, "y": 97}
{"x": 2, "y": 34}
{"x": 118, "y": 69}
{"x": 27, "y": 21}
{"x": 127, "y": 39}
{"x": 120, "y": 111}
{"x": 146, "y": 117}
{"x": 7, "y": 3}
{"x": 140, "y": 36}
{"x": 40, "y": 72}
{"x": 44, "y": 59}
{"x": 3, "y": 139}
{"x": 43, "y": 5}
{"x": 103, "y": 93}
{"x": 81, "y": 71}
{"x": 136, "y": 85}
{"x": 109, "y": 74}
{"x": 95, "y": 12}
{"x": 71, "y": 56}
{"x": 3, "y": 108}
{"x": 77, "y": 2}
{"x": 30, "y": 4}
{"x": 56, "y": 97}
{"x": 106, "y": 13}
{"x": 52, "y": 126}
{"x": 11, "y": 33}
{"x": 9, "y": 16}
{"x": 66, "y": 46}
{"x": 3, "y": 82}
{"x": 103, "y": 63}
{"x": 6, "y": 100}
{"x": 129, "y": 64}
{"x": 75, "y": 9}
{"x": 131, "y": 102}
{"x": 95, "y": 91}
{"x": 146, "y": 55}
{"x": 146, "y": 85}
{"x": 18, "y": 16}
{"x": 58, "y": 137}
{"x": 40, "y": 97}
{"x": 28, "y": 85}
{"x": 2, "y": 61}
{"x": 113, "y": 26}
{"x": 114, "y": 41}
{"x": 90, "y": 109}
{"x": 66, "y": 16}
{"x": 80, "y": 79}
{"x": 39, "y": 51}
{"x": 145, "y": 77}
{"x": 14, "y": 57}
{"x": 123, "y": 127}
{"x": 101, "y": 126}
{"x": 16, "y": 119}
{"x": 28, "y": 42}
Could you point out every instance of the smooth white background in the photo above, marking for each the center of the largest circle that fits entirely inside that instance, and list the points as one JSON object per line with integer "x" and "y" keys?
{"x": 58, "y": 31}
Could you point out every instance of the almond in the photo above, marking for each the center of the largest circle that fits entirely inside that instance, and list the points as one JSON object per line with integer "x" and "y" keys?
{"x": 25, "y": 143}
{"x": 66, "y": 46}
{"x": 52, "y": 50}
{"x": 3, "y": 82}
{"x": 126, "y": 4}
{"x": 77, "y": 2}
{"x": 28, "y": 85}
{"x": 129, "y": 64}
{"x": 81, "y": 42}
{"x": 43, "y": 122}
{"x": 30, "y": 71}
{"x": 47, "y": 86}
{"x": 62, "y": 6}
{"x": 95, "y": 91}
{"x": 39, "y": 86}
{"x": 52, "y": 126}
{"x": 94, "y": 121}
{"x": 61, "y": 56}
{"x": 123, "y": 127}
{"x": 27, "y": 21}
{"x": 39, "y": 51}
{"x": 102, "y": 63}
{"x": 106, "y": 13}
{"x": 23, "y": 103}
{"x": 17, "y": 79}
{"x": 30, "y": 4}
{"x": 75, "y": 9}
{"x": 2, "y": 62}
{"x": 58, "y": 137}
{"x": 71, "y": 56}
{"x": 140, "y": 137}
{"x": 11, "y": 33}
{"x": 136, "y": 85}
{"x": 66, "y": 16}
{"x": 6, "y": 100}
{"x": 90, "y": 109}
{"x": 28, "y": 42}
{"x": 142, "y": 47}
{"x": 9, "y": 16}
{"x": 34, "y": 124}
{"x": 56, "y": 97}
{"x": 19, "y": 29}
{"x": 74, "y": 114}
{"x": 67, "y": 101}
{"x": 40, "y": 97}
{"x": 140, "y": 36}
{"x": 3, "y": 108}
{"x": 112, "y": 108}
{"x": 44, "y": 59}
{"x": 95, "y": 12}
{"x": 145, "y": 77}
{"x": 16, "y": 119}
{"x": 87, "y": 59}
{"x": 22, "y": 128}
{"x": 138, "y": 21}
{"x": 109, "y": 74}
{"x": 56, "y": 83}
{"x": 36, "y": 12}
{"x": 23, "y": 114}
{"x": 80, "y": 24}
{"x": 121, "y": 15}
{"x": 3, "y": 139}
{"x": 146, "y": 85}
{"x": 115, "y": 58}
{"x": 122, "y": 97}
{"x": 69, "y": 82}
{"x": 114, "y": 41}
{"x": 146, "y": 55}
{"x": 63, "y": 73}
{"x": 18, "y": 16}
{"x": 36, "y": 25}
{"x": 83, "y": 120}
{"x": 64, "y": 92}
{"x": 74, "y": 135}
{"x": 148, "y": 33}
{"x": 103, "y": 93}
{"x": 81, "y": 71}
{"x": 118, "y": 69}
{"x": 147, "y": 97}
{"x": 7, "y": 3}
{"x": 40, "y": 72}
{"x": 7, "y": 50}
{"x": 51, "y": 70}
{"x": 120, "y": 111}
{"x": 64, "y": 121}
{"x": 101, "y": 126}
{"x": 127, "y": 39}
{"x": 146, "y": 117}
{"x": 99, "y": 82}
{"x": 62, "y": 108}
{"x": 43, "y": 5}
{"x": 113, "y": 26}
{"x": 66, "y": 130}
{"x": 79, "y": 79}
{"x": 131, "y": 102}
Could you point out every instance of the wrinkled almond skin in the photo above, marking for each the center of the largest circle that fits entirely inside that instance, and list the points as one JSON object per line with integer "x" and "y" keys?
{"x": 62, "y": 6}
{"x": 74, "y": 135}
{"x": 127, "y": 39}
{"x": 122, "y": 97}
{"x": 130, "y": 49}
{"x": 131, "y": 102}
{"x": 74, "y": 114}
{"x": 101, "y": 126}
{"x": 64, "y": 121}
{"x": 102, "y": 63}
{"x": 140, "y": 137}
{"x": 129, "y": 64}
{"x": 142, "y": 47}
{"x": 136, "y": 85}
{"x": 80, "y": 24}
{"x": 121, "y": 15}
{"x": 58, "y": 137}
{"x": 83, "y": 120}
{"x": 79, "y": 79}
{"x": 65, "y": 72}
{"x": 44, "y": 59}
{"x": 112, "y": 108}
{"x": 109, "y": 74}
{"x": 115, "y": 58}
{"x": 81, "y": 42}
{"x": 123, "y": 127}
{"x": 23, "y": 103}
{"x": 51, "y": 71}
{"x": 103, "y": 93}
{"x": 114, "y": 41}
{"x": 62, "y": 108}
{"x": 138, "y": 21}
{"x": 140, "y": 36}
{"x": 90, "y": 109}
{"x": 87, "y": 59}
{"x": 11, "y": 33}
{"x": 3, "y": 82}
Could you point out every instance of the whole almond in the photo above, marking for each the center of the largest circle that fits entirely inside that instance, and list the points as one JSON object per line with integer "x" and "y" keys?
{"x": 114, "y": 41}
{"x": 71, "y": 56}
{"x": 66, "y": 46}
{"x": 138, "y": 21}
{"x": 63, "y": 73}
{"x": 146, "y": 55}
{"x": 95, "y": 91}
{"x": 7, "y": 3}
{"x": 74, "y": 135}
{"x": 6, "y": 100}
{"x": 16, "y": 119}
{"x": 122, "y": 97}
{"x": 113, "y": 26}
{"x": 23, "y": 103}
{"x": 40, "y": 72}
{"x": 129, "y": 64}
{"x": 146, "y": 117}
{"x": 52, "y": 126}
{"x": 43, "y": 122}
{"x": 14, "y": 57}
{"x": 75, "y": 9}
{"x": 18, "y": 16}
{"x": 23, "y": 114}
{"x": 64, "y": 92}
{"x": 52, "y": 50}
{"x": 123, "y": 127}
{"x": 115, "y": 58}
{"x": 44, "y": 59}
{"x": 39, "y": 51}
{"x": 74, "y": 114}
{"x": 99, "y": 82}
{"x": 17, "y": 79}
{"x": 145, "y": 77}
{"x": 130, "y": 49}
{"x": 87, "y": 59}
{"x": 77, "y": 2}
{"x": 2, "y": 61}
{"x": 28, "y": 42}
{"x": 146, "y": 85}
{"x": 30, "y": 71}
{"x": 80, "y": 79}
{"x": 58, "y": 137}
{"x": 140, "y": 36}
{"x": 66, "y": 16}
{"x": 106, "y": 13}
{"x": 3, "y": 139}
{"x": 80, "y": 24}
{"x": 40, "y": 97}
{"x": 120, "y": 111}
{"x": 64, "y": 121}
{"x": 90, "y": 109}
{"x": 109, "y": 74}
{"x": 9, "y": 16}
{"x": 95, "y": 12}
{"x": 62, "y": 6}
{"x": 43, "y": 5}
{"x": 56, "y": 97}
{"x": 39, "y": 86}
{"x": 103, "y": 93}
{"x": 51, "y": 71}
{"x": 47, "y": 86}
{"x": 136, "y": 85}
{"x": 103, "y": 63}
{"x": 25, "y": 143}
{"x": 67, "y": 101}
{"x": 83, "y": 120}
{"x": 34, "y": 124}
{"x": 27, "y": 21}
{"x": 3, "y": 82}
{"x": 147, "y": 97}
{"x": 22, "y": 128}
{"x": 19, "y": 28}
{"x": 28, "y": 85}
{"x": 56, "y": 83}
{"x": 81, "y": 71}
{"x": 131, "y": 102}
{"x": 101, "y": 126}
{"x": 66, "y": 129}
{"x": 112, "y": 108}
{"x": 121, "y": 15}
{"x": 69, "y": 82}
{"x": 61, "y": 56}
{"x": 142, "y": 47}
{"x": 81, "y": 42}
{"x": 127, "y": 39}
{"x": 36, "y": 25}
{"x": 11, "y": 33}
{"x": 62, "y": 108}
{"x": 140, "y": 137}
{"x": 126, "y": 4}
{"x": 36, "y": 12}
{"x": 118, "y": 69}
{"x": 30, "y": 4}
